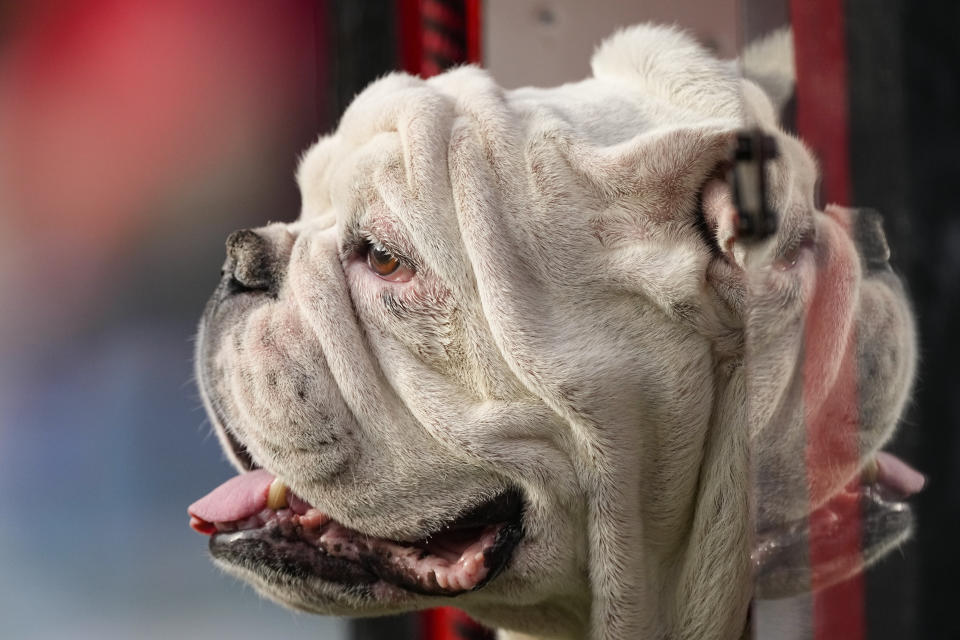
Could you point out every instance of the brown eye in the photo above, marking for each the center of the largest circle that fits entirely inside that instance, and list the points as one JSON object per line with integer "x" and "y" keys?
{"x": 382, "y": 261}
{"x": 386, "y": 265}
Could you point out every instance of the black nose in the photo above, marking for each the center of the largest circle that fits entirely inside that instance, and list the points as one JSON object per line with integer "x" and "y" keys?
{"x": 249, "y": 265}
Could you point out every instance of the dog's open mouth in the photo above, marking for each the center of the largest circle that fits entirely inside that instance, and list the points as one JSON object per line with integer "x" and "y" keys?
{"x": 849, "y": 531}
{"x": 254, "y": 521}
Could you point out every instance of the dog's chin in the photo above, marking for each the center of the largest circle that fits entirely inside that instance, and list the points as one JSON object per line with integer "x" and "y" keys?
{"x": 303, "y": 559}
{"x": 836, "y": 541}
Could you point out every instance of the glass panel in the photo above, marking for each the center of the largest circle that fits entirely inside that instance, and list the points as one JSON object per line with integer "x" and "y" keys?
{"x": 831, "y": 346}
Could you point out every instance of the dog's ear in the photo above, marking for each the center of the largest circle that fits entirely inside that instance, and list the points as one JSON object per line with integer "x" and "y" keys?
{"x": 669, "y": 65}
{"x": 768, "y": 61}
{"x": 646, "y": 202}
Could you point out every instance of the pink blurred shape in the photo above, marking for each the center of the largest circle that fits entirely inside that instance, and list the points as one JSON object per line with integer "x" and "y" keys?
{"x": 107, "y": 105}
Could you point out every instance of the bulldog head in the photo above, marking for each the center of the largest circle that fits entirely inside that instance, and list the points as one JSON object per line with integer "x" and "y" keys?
{"x": 514, "y": 357}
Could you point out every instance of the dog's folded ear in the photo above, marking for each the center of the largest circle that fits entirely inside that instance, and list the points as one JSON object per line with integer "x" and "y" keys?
{"x": 709, "y": 100}
{"x": 660, "y": 209}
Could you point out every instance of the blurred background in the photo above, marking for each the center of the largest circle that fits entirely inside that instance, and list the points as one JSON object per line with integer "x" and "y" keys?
{"x": 135, "y": 135}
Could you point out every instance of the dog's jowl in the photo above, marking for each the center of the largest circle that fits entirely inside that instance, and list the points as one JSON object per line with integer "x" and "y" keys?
{"x": 514, "y": 356}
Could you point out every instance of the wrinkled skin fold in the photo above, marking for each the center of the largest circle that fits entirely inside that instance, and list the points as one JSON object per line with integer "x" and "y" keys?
{"x": 583, "y": 327}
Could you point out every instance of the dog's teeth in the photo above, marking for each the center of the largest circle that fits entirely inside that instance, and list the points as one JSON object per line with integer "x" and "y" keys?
{"x": 441, "y": 579}
{"x": 870, "y": 472}
{"x": 277, "y": 495}
{"x": 314, "y": 518}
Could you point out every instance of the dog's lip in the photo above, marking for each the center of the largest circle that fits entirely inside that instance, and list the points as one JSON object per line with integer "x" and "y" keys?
{"x": 465, "y": 554}
{"x": 877, "y": 497}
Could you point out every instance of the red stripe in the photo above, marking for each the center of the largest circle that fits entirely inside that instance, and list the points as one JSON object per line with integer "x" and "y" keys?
{"x": 822, "y": 106}
{"x": 442, "y": 14}
{"x": 408, "y": 35}
{"x": 474, "y": 31}
{"x": 446, "y": 623}
{"x": 435, "y": 625}
{"x": 437, "y": 43}
{"x": 449, "y": 42}
{"x": 831, "y": 410}
{"x": 823, "y": 123}
{"x": 429, "y": 68}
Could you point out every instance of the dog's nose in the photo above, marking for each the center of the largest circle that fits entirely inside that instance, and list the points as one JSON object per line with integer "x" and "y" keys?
{"x": 250, "y": 264}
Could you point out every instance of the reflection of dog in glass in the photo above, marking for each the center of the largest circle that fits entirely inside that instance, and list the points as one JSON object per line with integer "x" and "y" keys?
{"x": 501, "y": 356}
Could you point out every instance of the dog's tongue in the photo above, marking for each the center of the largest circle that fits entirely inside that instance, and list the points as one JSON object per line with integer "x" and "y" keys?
{"x": 236, "y": 499}
{"x": 898, "y": 475}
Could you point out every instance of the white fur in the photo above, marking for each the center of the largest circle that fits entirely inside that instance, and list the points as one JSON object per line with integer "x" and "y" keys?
{"x": 568, "y": 332}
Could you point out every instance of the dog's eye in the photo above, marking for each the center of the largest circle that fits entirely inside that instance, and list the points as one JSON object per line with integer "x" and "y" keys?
{"x": 382, "y": 261}
{"x": 386, "y": 265}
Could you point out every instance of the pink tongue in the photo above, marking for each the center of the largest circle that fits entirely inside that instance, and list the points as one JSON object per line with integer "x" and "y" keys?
{"x": 236, "y": 499}
{"x": 898, "y": 475}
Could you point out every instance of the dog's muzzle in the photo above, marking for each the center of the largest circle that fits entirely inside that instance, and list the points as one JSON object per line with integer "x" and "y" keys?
{"x": 255, "y": 521}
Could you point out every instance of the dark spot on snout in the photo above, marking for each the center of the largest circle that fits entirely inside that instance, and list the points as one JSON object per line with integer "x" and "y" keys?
{"x": 250, "y": 266}
{"x": 301, "y": 388}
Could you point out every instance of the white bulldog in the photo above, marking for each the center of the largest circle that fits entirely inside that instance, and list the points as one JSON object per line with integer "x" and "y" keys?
{"x": 514, "y": 357}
